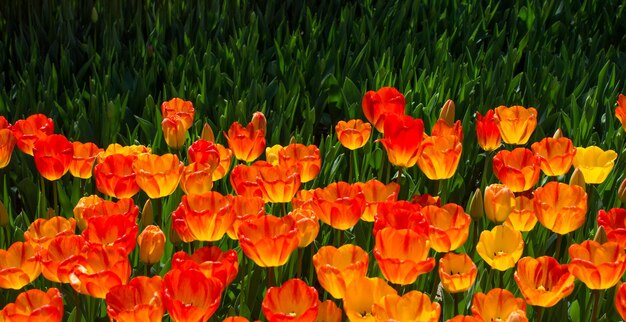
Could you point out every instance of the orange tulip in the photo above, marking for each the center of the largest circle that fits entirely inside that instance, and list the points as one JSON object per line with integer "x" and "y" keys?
{"x": 620, "y": 300}
{"x": 19, "y": 265}
{"x": 353, "y": 134}
{"x": 403, "y": 139}
{"x": 292, "y": 301}
{"x": 151, "y": 243}
{"x": 516, "y": 124}
{"x": 188, "y": 295}
{"x": 378, "y": 105}
{"x": 339, "y": 205}
{"x": 426, "y": 200}
{"x": 443, "y": 128}
{"x": 42, "y": 231}
{"x": 278, "y": 184}
{"x": 457, "y": 272}
{"x": 362, "y": 294}
{"x": 599, "y": 266}
{"x": 501, "y": 247}
{"x": 53, "y": 155}
{"x": 518, "y": 169}
{"x": 302, "y": 199}
{"x": 543, "y": 281}
{"x": 112, "y": 232}
{"x": 206, "y": 216}
{"x": 174, "y": 131}
{"x": 328, "y": 312}
{"x": 376, "y": 192}
{"x": 115, "y": 176}
{"x": 449, "y": 226}
{"x": 336, "y": 268}
{"x": 594, "y": 163}
{"x": 244, "y": 208}
{"x": 205, "y": 152}
{"x": 402, "y": 255}
{"x": 620, "y": 111}
{"x": 83, "y": 159}
{"x": 197, "y": 178}
{"x": 58, "y": 257}
{"x": 560, "y": 207}
{"x": 243, "y": 179}
{"x": 7, "y": 144}
{"x": 487, "y": 131}
{"x": 129, "y": 150}
{"x": 35, "y": 305}
{"x": 464, "y": 318}
{"x": 412, "y": 306}
{"x": 247, "y": 143}
{"x": 497, "y": 305}
{"x": 614, "y": 223}
{"x": 306, "y": 158}
{"x": 139, "y": 300}
{"x": 499, "y": 202}
{"x": 93, "y": 206}
{"x": 30, "y": 130}
{"x": 183, "y": 109}
{"x": 158, "y": 175}
{"x": 522, "y": 216}
{"x": 211, "y": 261}
{"x": 308, "y": 225}
{"x": 235, "y": 319}
{"x": 226, "y": 157}
{"x": 4, "y": 124}
{"x": 440, "y": 156}
{"x": 98, "y": 270}
{"x": 269, "y": 240}
{"x": 400, "y": 215}
{"x": 556, "y": 155}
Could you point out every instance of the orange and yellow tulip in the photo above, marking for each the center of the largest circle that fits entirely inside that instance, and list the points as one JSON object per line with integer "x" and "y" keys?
{"x": 402, "y": 139}
{"x": 457, "y": 272}
{"x": 20, "y": 264}
{"x": 151, "y": 243}
{"x": 174, "y": 131}
{"x": 235, "y": 319}
{"x": 560, "y": 207}
{"x": 518, "y": 169}
{"x": 30, "y": 130}
{"x": 278, "y": 184}
{"x": 292, "y": 301}
{"x": 464, "y": 318}
{"x": 378, "y": 105}
{"x": 353, "y": 134}
{"x": 328, "y": 312}
{"x": 497, "y": 305}
{"x": 112, "y": 232}
{"x": 139, "y": 300}
{"x": 487, "y": 131}
{"x": 402, "y": 255}
{"x": 226, "y": 158}
{"x": 247, "y": 143}
{"x": 445, "y": 128}
{"x": 499, "y": 201}
{"x": 516, "y": 123}
{"x": 449, "y": 226}
{"x": 158, "y": 175}
{"x": 207, "y": 216}
{"x": 188, "y": 295}
{"x": 376, "y": 192}
{"x": 98, "y": 270}
{"x": 614, "y": 224}
{"x": 7, "y": 144}
{"x": 440, "y": 156}
{"x": 183, "y": 109}
{"x": 620, "y": 111}
{"x": 197, "y": 178}
{"x": 412, "y": 306}
{"x": 400, "y": 215}
{"x": 205, "y": 152}
{"x": 83, "y": 159}
{"x": 594, "y": 163}
{"x": 53, "y": 155}
{"x": 522, "y": 216}
{"x": 361, "y": 295}
{"x": 211, "y": 261}
{"x": 94, "y": 206}
{"x": 245, "y": 208}
{"x": 271, "y": 154}
{"x": 115, "y": 176}
{"x": 269, "y": 240}
{"x": 620, "y": 300}
{"x": 339, "y": 205}
{"x": 543, "y": 281}
{"x": 306, "y": 158}
{"x": 556, "y": 155}
{"x": 61, "y": 252}
{"x": 599, "y": 266}
{"x": 336, "y": 268}
{"x": 127, "y": 150}
{"x": 308, "y": 225}
{"x": 42, "y": 231}
{"x": 243, "y": 179}
{"x": 35, "y": 306}
{"x": 501, "y": 247}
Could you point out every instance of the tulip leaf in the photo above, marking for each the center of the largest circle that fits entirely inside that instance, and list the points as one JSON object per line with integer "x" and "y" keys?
{"x": 574, "y": 311}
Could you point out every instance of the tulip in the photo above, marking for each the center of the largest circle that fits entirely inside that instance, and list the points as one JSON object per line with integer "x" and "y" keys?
{"x": 556, "y": 155}
{"x": 621, "y": 192}
{"x": 42, "y": 231}
{"x": 7, "y": 144}
{"x": 362, "y": 294}
{"x": 20, "y": 264}
{"x": 112, "y": 232}
{"x": 258, "y": 121}
{"x": 614, "y": 224}
{"x": 378, "y": 105}
{"x": 302, "y": 199}
{"x": 83, "y": 159}
{"x": 196, "y": 178}
{"x": 400, "y": 215}
{"x": 190, "y": 296}
{"x": 181, "y": 108}
{"x": 620, "y": 111}
{"x": 353, "y": 134}
{"x": 560, "y": 207}
{"x": 577, "y": 179}
{"x": 62, "y": 252}
{"x": 501, "y": 247}
{"x": 211, "y": 261}
{"x": 30, "y": 130}
{"x": 226, "y": 157}
{"x": 243, "y": 179}
{"x": 306, "y": 158}
{"x": 139, "y": 300}
{"x": 98, "y": 270}
{"x": 476, "y": 205}
{"x": 151, "y": 243}
{"x": 440, "y": 156}
{"x": 246, "y": 143}
{"x": 594, "y": 163}
{"x": 328, "y": 312}
{"x": 445, "y": 128}
{"x": 376, "y": 192}
{"x": 244, "y": 208}
{"x": 4, "y": 124}
{"x": 447, "y": 111}
{"x": 205, "y": 152}
{"x": 497, "y": 305}
{"x": 93, "y": 206}
{"x": 516, "y": 124}
{"x": 129, "y": 150}
{"x": 207, "y": 133}
{"x": 412, "y": 306}
{"x": 402, "y": 255}
{"x": 174, "y": 131}
{"x": 35, "y": 305}
{"x": 207, "y": 216}
{"x": 339, "y": 205}
{"x": 449, "y": 226}
{"x": 599, "y": 266}
{"x": 147, "y": 215}
{"x": 53, "y": 155}
{"x": 269, "y": 240}
{"x": 235, "y": 319}
{"x": 487, "y": 131}
{"x": 278, "y": 184}
{"x": 308, "y": 225}
{"x": 292, "y": 301}
{"x": 457, "y": 272}
{"x": 464, "y": 318}
{"x": 336, "y": 268}
{"x": 115, "y": 176}
{"x": 620, "y": 300}
{"x": 543, "y": 281}
{"x": 271, "y": 154}
{"x": 522, "y": 216}
{"x": 518, "y": 169}
{"x": 158, "y": 175}
{"x": 402, "y": 139}
{"x": 499, "y": 202}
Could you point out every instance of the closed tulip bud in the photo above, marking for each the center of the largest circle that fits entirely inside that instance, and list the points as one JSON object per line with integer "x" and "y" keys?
{"x": 621, "y": 193}
{"x": 4, "y": 215}
{"x": 259, "y": 122}
{"x": 476, "y": 208}
{"x": 448, "y": 111}
{"x": 558, "y": 134}
{"x": 151, "y": 243}
{"x": 292, "y": 140}
{"x": 601, "y": 236}
{"x": 207, "y": 133}
{"x": 577, "y": 179}
{"x": 147, "y": 216}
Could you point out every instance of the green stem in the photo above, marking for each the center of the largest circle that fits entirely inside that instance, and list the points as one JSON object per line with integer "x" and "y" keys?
{"x": 42, "y": 198}
{"x": 356, "y": 166}
{"x": 271, "y": 277}
{"x": 299, "y": 263}
{"x": 557, "y": 250}
{"x": 455, "y": 303}
{"x": 596, "y": 302}
{"x": 77, "y": 304}
{"x": 443, "y": 191}
{"x": 55, "y": 198}
{"x": 158, "y": 211}
{"x": 149, "y": 270}
{"x": 350, "y": 168}
{"x": 539, "y": 311}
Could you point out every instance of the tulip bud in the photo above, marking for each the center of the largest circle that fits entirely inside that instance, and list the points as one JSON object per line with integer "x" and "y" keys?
{"x": 207, "y": 133}
{"x": 601, "y": 236}
{"x": 292, "y": 140}
{"x": 577, "y": 179}
{"x": 151, "y": 243}
{"x": 476, "y": 208}
{"x": 499, "y": 202}
{"x": 447, "y": 112}
{"x": 50, "y": 213}
{"x": 147, "y": 216}
{"x": 621, "y": 192}
{"x": 558, "y": 134}
{"x": 259, "y": 122}
{"x": 4, "y": 215}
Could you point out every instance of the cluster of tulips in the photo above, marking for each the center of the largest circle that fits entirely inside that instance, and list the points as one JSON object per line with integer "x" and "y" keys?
{"x": 411, "y": 238}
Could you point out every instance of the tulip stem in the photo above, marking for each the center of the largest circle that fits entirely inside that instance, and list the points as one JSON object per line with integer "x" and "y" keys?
{"x": 271, "y": 279}
{"x": 149, "y": 270}
{"x": 455, "y": 303}
{"x": 77, "y": 304}
{"x": 350, "y": 167}
{"x": 596, "y": 302}
{"x": 557, "y": 250}
{"x": 299, "y": 263}
{"x": 158, "y": 211}
{"x": 539, "y": 311}
{"x": 55, "y": 198}
{"x": 356, "y": 166}
{"x": 42, "y": 198}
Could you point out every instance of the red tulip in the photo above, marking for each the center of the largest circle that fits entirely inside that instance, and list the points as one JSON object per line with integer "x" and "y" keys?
{"x": 30, "y": 130}
{"x": 53, "y": 155}
{"x": 378, "y": 105}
